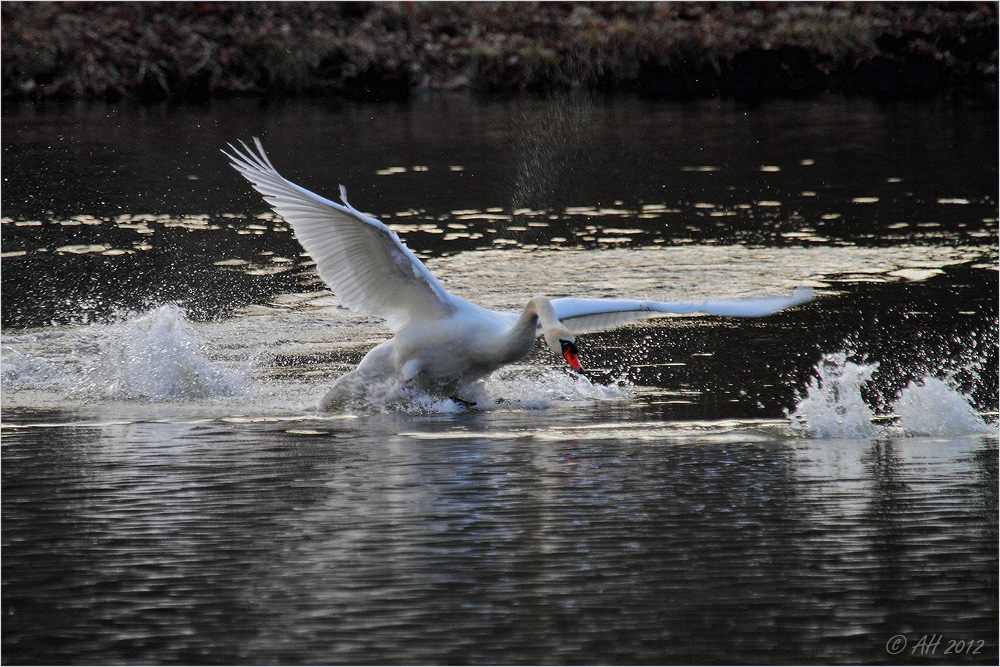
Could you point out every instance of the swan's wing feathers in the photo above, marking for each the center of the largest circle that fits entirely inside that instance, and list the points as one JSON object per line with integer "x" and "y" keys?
{"x": 365, "y": 264}
{"x": 584, "y": 315}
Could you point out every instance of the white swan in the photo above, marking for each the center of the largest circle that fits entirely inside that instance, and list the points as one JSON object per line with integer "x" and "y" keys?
{"x": 442, "y": 343}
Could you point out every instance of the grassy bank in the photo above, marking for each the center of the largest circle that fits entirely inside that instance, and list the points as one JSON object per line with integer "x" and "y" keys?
{"x": 153, "y": 51}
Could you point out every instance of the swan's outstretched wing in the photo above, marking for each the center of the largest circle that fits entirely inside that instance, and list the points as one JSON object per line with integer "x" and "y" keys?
{"x": 583, "y": 315}
{"x": 365, "y": 264}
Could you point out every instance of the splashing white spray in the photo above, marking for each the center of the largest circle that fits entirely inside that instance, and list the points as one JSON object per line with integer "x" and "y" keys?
{"x": 155, "y": 356}
{"x": 518, "y": 388}
{"x": 835, "y": 408}
{"x": 547, "y": 140}
{"x": 933, "y": 407}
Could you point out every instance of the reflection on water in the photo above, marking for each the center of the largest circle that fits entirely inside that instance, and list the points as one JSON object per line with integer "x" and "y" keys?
{"x": 800, "y": 488}
{"x": 263, "y": 542}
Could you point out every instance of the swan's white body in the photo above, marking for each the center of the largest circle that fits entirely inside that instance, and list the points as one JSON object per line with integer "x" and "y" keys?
{"x": 442, "y": 343}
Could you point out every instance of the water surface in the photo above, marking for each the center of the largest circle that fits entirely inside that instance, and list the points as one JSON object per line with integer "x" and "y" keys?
{"x": 801, "y": 488}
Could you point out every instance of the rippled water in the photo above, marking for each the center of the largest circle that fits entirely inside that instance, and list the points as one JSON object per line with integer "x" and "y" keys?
{"x": 801, "y": 488}
{"x": 478, "y": 538}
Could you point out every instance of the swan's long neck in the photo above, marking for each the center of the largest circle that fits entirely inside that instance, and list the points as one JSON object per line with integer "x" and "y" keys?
{"x": 542, "y": 307}
{"x": 520, "y": 338}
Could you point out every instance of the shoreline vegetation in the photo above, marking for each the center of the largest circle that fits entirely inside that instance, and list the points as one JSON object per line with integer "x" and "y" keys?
{"x": 196, "y": 51}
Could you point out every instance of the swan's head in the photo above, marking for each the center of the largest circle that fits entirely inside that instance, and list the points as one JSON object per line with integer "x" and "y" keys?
{"x": 562, "y": 341}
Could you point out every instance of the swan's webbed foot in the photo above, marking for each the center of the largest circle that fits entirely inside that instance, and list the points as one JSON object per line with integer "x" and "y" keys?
{"x": 463, "y": 402}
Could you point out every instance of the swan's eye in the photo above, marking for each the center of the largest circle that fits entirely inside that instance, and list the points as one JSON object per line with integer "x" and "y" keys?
{"x": 570, "y": 355}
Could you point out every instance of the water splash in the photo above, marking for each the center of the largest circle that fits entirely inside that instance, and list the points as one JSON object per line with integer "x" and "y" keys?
{"x": 547, "y": 139}
{"x": 834, "y": 406}
{"x": 158, "y": 356}
{"x": 24, "y": 371}
{"x": 517, "y": 388}
{"x": 528, "y": 387}
{"x": 935, "y": 408}
{"x": 155, "y": 356}
{"x": 390, "y": 395}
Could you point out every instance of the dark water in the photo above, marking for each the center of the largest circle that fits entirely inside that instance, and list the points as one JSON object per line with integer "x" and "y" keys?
{"x": 785, "y": 174}
{"x": 394, "y": 541}
{"x": 804, "y": 488}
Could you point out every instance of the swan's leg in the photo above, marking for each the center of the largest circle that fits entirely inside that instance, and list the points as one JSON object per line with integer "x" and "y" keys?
{"x": 471, "y": 394}
{"x": 376, "y": 364}
{"x": 411, "y": 369}
{"x": 343, "y": 389}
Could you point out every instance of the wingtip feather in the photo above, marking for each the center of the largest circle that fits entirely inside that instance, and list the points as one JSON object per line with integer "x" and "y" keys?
{"x": 803, "y": 294}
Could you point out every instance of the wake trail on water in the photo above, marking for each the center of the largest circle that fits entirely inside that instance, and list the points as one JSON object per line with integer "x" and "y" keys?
{"x": 513, "y": 388}
{"x": 159, "y": 357}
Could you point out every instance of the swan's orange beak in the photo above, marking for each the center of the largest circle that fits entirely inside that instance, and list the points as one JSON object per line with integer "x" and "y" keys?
{"x": 570, "y": 355}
